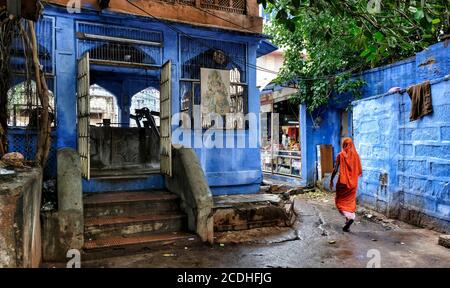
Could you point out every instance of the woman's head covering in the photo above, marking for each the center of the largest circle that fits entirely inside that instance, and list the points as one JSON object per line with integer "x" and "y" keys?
{"x": 350, "y": 164}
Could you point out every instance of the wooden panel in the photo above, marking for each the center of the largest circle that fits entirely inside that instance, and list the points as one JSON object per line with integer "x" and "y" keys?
{"x": 165, "y": 117}
{"x": 326, "y": 159}
{"x": 83, "y": 115}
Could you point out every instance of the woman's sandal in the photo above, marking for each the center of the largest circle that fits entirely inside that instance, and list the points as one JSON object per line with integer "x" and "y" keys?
{"x": 346, "y": 228}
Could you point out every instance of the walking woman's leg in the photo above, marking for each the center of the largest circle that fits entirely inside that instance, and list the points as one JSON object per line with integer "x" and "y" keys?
{"x": 350, "y": 219}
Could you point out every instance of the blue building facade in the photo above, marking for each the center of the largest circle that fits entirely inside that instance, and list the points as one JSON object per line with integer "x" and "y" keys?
{"x": 228, "y": 170}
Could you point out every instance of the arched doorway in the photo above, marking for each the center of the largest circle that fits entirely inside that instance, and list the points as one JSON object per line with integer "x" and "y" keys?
{"x": 103, "y": 106}
{"x": 147, "y": 98}
{"x": 113, "y": 148}
{"x": 23, "y": 104}
{"x": 24, "y": 109}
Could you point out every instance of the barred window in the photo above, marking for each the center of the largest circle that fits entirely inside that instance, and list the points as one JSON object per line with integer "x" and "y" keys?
{"x": 44, "y": 33}
{"x": 197, "y": 53}
{"x": 24, "y": 106}
{"x": 117, "y": 45}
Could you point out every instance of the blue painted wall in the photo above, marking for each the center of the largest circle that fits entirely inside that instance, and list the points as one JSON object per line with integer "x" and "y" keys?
{"x": 376, "y": 136}
{"x": 228, "y": 171}
{"x": 24, "y": 141}
{"x": 326, "y": 132}
{"x": 432, "y": 63}
{"x": 415, "y": 155}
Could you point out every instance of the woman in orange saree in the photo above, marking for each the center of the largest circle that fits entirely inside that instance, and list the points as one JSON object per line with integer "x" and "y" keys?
{"x": 349, "y": 166}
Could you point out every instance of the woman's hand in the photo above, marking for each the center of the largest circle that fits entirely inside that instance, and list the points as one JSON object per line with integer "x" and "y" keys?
{"x": 331, "y": 185}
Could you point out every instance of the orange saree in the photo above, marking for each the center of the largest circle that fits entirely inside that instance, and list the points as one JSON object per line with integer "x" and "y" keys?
{"x": 347, "y": 184}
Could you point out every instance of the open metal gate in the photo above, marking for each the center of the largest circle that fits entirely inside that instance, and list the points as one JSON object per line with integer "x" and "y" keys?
{"x": 83, "y": 113}
{"x": 165, "y": 118}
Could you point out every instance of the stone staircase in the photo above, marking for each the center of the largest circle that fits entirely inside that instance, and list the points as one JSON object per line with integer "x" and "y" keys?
{"x": 118, "y": 223}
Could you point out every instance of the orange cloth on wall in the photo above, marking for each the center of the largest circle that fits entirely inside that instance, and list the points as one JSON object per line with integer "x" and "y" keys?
{"x": 349, "y": 171}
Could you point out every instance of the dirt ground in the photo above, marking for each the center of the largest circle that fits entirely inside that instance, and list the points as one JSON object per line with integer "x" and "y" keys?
{"x": 316, "y": 240}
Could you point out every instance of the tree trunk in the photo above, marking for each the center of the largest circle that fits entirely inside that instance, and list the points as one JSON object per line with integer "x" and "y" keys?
{"x": 44, "y": 128}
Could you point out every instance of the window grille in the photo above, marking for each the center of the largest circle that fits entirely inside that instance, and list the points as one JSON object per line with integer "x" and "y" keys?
{"x": 24, "y": 141}
{"x": 23, "y": 104}
{"x": 119, "y": 32}
{"x": 199, "y": 53}
{"x": 186, "y": 2}
{"x": 45, "y": 38}
{"x": 183, "y": 2}
{"x": 115, "y": 45}
{"x": 233, "y": 6}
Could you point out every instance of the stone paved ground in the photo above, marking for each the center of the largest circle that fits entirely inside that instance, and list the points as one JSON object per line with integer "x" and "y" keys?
{"x": 319, "y": 242}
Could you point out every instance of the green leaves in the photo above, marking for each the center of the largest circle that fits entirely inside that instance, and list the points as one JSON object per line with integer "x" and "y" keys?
{"x": 368, "y": 51}
{"x": 412, "y": 9}
{"x": 325, "y": 37}
{"x": 418, "y": 14}
{"x": 436, "y": 21}
{"x": 378, "y": 36}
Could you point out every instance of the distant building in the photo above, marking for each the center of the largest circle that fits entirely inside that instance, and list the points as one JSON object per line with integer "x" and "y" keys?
{"x": 103, "y": 106}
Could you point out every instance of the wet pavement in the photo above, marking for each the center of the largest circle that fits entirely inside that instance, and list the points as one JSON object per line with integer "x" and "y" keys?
{"x": 319, "y": 242}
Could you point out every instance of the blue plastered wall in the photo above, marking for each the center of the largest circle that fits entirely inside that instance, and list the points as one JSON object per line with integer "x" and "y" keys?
{"x": 376, "y": 137}
{"x": 424, "y": 157}
{"x": 228, "y": 170}
{"x": 325, "y": 132}
{"x": 415, "y": 155}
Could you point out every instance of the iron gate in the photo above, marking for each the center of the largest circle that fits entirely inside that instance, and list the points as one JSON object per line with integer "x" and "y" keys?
{"x": 83, "y": 113}
{"x": 165, "y": 118}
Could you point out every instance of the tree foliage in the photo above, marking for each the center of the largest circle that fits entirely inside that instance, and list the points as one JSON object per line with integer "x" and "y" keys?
{"x": 326, "y": 41}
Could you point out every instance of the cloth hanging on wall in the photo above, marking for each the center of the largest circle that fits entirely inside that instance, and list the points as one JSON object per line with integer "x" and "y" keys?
{"x": 421, "y": 103}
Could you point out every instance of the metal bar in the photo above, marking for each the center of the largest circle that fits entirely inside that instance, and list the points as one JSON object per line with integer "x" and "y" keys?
{"x": 21, "y": 73}
{"x": 290, "y": 151}
{"x": 285, "y": 174}
{"x": 276, "y": 164}
{"x": 125, "y": 64}
{"x": 15, "y": 116}
{"x": 289, "y": 157}
{"x": 290, "y": 166}
{"x": 198, "y": 81}
{"x": 95, "y": 37}
{"x": 271, "y": 139}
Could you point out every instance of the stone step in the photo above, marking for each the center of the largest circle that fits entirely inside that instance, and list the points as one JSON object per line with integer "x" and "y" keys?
{"x": 129, "y": 203}
{"x": 137, "y": 171}
{"x": 120, "y": 174}
{"x": 98, "y": 227}
{"x": 242, "y": 212}
{"x": 123, "y": 176}
{"x": 118, "y": 245}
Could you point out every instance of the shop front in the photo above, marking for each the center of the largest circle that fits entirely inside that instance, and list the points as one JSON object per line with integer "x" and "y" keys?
{"x": 281, "y": 153}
